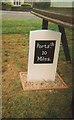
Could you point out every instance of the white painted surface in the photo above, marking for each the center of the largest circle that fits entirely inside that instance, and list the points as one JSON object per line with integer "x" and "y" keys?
{"x": 62, "y": 3}
{"x": 42, "y": 71}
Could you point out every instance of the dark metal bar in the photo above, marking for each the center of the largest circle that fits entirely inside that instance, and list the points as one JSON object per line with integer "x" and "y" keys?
{"x": 44, "y": 24}
{"x": 65, "y": 43}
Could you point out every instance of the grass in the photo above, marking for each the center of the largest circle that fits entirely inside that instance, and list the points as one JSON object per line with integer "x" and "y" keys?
{"x": 22, "y": 26}
{"x": 36, "y": 104}
{"x": 19, "y": 26}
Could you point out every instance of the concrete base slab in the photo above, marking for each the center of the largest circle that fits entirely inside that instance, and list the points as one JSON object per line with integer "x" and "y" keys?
{"x": 42, "y": 85}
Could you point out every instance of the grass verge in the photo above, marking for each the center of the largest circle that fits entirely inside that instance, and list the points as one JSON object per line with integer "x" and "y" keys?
{"x": 36, "y": 104}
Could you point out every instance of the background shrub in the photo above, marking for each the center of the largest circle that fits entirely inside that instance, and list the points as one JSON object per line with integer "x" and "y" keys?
{"x": 27, "y": 4}
{"x": 41, "y": 5}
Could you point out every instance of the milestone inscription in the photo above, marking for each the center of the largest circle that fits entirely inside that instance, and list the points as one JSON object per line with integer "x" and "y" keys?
{"x": 44, "y": 51}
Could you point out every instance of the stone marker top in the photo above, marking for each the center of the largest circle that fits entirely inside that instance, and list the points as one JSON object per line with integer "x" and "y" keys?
{"x": 48, "y": 31}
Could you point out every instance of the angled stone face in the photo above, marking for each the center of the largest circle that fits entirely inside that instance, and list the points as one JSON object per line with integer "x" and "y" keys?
{"x": 43, "y": 55}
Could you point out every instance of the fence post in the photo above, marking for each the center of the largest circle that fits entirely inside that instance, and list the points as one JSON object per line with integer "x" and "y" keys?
{"x": 65, "y": 43}
{"x": 44, "y": 24}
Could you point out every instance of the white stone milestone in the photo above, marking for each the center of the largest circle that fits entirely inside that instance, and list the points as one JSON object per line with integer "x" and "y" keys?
{"x": 43, "y": 55}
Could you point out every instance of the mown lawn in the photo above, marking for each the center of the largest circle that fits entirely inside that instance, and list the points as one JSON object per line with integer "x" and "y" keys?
{"x": 31, "y": 104}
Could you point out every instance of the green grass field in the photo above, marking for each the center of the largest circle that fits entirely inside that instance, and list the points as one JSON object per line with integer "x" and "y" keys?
{"x": 31, "y": 104}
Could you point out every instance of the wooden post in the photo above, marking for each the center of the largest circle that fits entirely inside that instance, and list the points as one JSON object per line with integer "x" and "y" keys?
{"x": 44, "y": 24}
{"x": 72, "y": 105}
{"x": 65, "y": 43}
